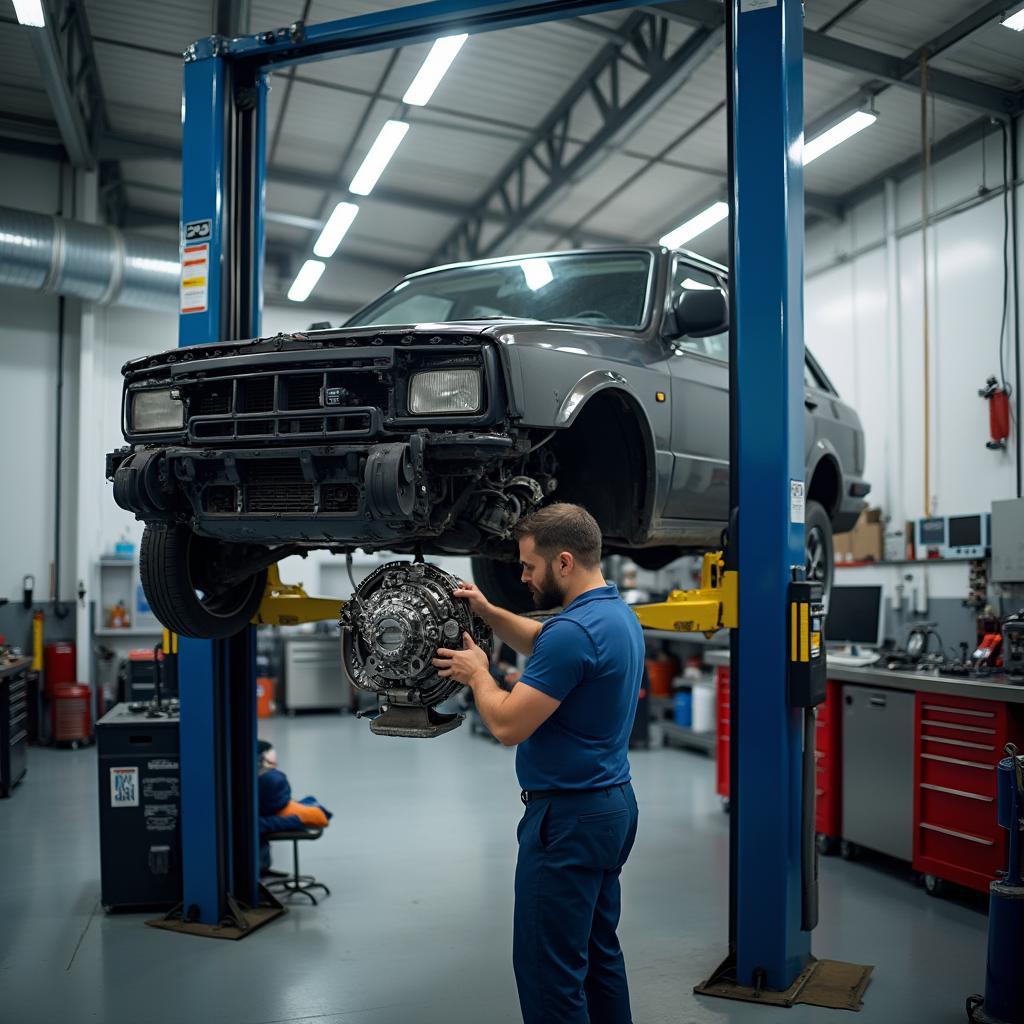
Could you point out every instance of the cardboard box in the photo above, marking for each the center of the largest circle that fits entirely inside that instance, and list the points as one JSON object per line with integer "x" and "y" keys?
{"x": 865, "y": 542}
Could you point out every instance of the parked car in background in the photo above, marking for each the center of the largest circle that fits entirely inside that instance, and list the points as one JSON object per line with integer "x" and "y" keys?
{"x": 442, "y": 413}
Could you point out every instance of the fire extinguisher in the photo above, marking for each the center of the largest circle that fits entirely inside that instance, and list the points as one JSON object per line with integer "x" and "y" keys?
{"x": 998, "y": 399}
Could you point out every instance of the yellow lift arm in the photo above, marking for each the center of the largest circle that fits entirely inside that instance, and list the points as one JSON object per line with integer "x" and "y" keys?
{"x": 288, "y": 604}
{"x": 714, "y": 606}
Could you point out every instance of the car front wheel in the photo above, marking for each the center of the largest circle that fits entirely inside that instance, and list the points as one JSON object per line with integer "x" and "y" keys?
{"x": 180, "y": 576}
{"x": 818, "y": 545}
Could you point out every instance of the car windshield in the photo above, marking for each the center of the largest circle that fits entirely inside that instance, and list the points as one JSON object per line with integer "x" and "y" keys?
{"x": 600, "y": 288}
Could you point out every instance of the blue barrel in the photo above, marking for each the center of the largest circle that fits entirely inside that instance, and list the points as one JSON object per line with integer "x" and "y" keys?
{"x": 683, "y": 708}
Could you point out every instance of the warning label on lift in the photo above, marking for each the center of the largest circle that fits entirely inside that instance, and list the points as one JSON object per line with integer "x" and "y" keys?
{"x": 195, "y": 277}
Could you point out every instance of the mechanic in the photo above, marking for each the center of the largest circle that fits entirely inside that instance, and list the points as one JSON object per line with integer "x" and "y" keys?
{"x": 571, "y": 714}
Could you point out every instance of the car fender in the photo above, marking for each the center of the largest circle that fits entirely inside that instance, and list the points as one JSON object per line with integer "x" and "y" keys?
{"x": 823, "y": 450}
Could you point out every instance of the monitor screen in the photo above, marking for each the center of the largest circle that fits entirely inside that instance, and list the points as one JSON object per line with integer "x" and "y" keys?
{"x": 854, "y": 616}
{"x": 932, "y": 531}
{"x": 964, "y": 531}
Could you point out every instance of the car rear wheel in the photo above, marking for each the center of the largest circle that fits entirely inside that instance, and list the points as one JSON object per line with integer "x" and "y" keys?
{"x": 502, "y": 584}
{"x": 179, "y": 576}
{"x": 818, "y": 545}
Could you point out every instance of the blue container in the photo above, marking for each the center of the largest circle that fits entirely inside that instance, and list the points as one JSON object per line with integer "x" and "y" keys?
{"x": 683, "y": 708}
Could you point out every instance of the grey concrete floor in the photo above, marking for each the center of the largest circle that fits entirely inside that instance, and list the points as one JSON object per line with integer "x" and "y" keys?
{"x": 420, "y": 860}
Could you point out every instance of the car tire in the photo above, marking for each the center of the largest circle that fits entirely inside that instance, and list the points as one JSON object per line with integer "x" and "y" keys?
{"x": 501, "y": 583}
{"x": 170, "y": 563}
{"x": 818, "y": 549}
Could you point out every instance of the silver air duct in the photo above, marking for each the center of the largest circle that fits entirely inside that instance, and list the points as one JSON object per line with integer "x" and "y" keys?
{"x": 88, "y": 261}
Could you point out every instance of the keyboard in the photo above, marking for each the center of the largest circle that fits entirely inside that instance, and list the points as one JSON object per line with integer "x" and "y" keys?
{"x": 852, "y": 660}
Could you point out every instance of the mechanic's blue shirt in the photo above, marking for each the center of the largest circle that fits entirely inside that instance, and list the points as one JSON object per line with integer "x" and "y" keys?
{"x": 591, "y": 658}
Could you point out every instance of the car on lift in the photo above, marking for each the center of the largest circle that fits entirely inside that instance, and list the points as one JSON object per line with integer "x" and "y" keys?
{"x": 442, "y": 413}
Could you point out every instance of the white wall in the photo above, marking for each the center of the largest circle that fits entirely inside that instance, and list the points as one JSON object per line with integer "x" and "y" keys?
{"x": 864, "y": 321}
{"x": 28, "y": 389}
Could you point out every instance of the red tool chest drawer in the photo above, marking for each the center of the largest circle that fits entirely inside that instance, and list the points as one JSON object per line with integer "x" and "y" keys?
{"x": 827, "y": 754}
{"x": 957, "y": 744}
{"x": 722, "y": 742}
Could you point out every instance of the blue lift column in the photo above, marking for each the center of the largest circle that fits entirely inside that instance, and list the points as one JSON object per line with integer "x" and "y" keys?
{"x": 223, "y": 136}
{"x": 767, "y": 183}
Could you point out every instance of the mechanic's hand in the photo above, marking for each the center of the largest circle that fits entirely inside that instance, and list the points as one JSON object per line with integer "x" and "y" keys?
{"x": 465, "y": 666}
{"x": 474, "y": 597}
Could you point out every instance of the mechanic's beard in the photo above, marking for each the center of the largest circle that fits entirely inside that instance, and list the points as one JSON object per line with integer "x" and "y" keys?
{"x": 546, "y": 594}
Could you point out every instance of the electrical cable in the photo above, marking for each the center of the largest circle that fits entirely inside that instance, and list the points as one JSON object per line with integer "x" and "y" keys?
{"x": 1003, "y": 333}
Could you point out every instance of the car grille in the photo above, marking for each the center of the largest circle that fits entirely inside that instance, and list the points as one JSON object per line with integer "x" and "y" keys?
{"x": 264, "y": 405}
{"x": 278, "y": 486}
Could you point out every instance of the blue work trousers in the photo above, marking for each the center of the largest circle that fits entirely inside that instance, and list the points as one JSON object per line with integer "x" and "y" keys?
{"x": 568, "y": 962}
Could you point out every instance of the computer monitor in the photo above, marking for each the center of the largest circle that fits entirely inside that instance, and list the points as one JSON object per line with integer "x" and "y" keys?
{"x": 855, "y": 616}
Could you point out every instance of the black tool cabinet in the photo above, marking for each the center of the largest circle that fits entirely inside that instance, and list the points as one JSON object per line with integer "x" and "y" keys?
{"x": 13, "y": 723}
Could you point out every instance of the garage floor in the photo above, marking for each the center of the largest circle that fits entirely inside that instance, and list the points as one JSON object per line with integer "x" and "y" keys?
{"x": 420, "y": 860}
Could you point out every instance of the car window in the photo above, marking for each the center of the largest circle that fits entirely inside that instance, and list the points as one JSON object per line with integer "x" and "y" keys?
{"x": 813, "y": 379}
{"x": 599, "y": 288}
{"x": 689, "y": 277}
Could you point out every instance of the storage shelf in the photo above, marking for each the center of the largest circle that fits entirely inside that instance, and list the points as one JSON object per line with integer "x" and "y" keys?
{"x": 682, "y": 736}
{"x": 119, "y": 563}
{"x": 131, "y": 631}
{"x": 907, "y": 561}
{"x": 686, "y": 638}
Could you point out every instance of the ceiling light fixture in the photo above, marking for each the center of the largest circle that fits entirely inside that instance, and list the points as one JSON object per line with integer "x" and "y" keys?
{"x": 305, "y": 280}
{"x": 30, "y": 12}
{"x": 381, "y": 152}
{"x": 433, "y": 69}
{"x": 695, "y": 226}
{"x": 334, "y": 230}
{"x": 1015, "y": 20}
{"x": 838, "y": 133}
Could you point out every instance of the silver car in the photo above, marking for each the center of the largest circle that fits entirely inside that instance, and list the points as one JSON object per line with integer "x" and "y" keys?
{"x": 442, "y": 413}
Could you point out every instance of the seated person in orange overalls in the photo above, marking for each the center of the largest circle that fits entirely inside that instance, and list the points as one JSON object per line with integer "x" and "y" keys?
{"x": 278, "y": 812}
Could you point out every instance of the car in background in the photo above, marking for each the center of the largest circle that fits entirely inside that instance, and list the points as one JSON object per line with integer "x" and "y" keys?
{"x": 441, "y": 414}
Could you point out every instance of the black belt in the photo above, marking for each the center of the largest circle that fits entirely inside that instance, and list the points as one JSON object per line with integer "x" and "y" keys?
{"x": 527, "y": 795}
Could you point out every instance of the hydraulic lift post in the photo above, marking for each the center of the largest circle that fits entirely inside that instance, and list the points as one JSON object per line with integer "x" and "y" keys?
{"x": 223, "y": 158}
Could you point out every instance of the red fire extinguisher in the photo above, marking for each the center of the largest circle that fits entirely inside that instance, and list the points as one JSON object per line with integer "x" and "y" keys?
{"x": 998, "y": 399}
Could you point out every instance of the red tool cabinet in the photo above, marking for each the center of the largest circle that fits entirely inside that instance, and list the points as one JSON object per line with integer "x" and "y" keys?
{"x": 828, "y": 754}
{"x": 957, "y": 744}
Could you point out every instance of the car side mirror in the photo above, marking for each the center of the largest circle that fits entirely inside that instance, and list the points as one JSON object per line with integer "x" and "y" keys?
{"x": 700, "y": 312}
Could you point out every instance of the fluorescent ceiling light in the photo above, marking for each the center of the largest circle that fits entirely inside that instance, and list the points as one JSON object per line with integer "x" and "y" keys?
{"x": 537, "y": 274}
{"x": 695, "y": 226}
{"x": 847, "y": 128}
{"x": 334, "y": 230}
{"x": 691, "y": 285}
{"x": 429, "y": 76}
{"x": 305, "y": 280}
{"x": 1015, "y": 21}
{"x": 382, "y": 150}
{"x": 30, "y": 12}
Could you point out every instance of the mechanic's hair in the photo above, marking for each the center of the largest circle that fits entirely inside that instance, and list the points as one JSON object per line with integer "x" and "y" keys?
{"x": 563, "y": 527}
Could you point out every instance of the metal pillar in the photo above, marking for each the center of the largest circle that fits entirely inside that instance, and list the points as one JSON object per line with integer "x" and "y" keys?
{"x": 767, "y": 192}
{"x": 222, "y": 270}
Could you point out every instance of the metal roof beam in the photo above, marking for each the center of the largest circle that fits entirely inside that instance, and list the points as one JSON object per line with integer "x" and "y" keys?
{"x": 897, "y": 71}
{"x": 125, "y": 148}
{"x": 546, "y": 165}
{"x": 63, "y": 49}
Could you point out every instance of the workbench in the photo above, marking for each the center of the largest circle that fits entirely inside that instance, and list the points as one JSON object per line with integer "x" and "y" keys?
{"x": 906, "y": 765}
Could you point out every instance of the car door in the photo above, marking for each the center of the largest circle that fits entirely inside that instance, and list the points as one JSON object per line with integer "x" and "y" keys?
{"x": 699, "y": 369}
{"x": 828, "y": 420}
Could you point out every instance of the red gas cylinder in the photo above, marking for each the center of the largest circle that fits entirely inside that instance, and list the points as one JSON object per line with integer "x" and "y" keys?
{"x": 69, "y": 711}
{"x": 59, "y": 661}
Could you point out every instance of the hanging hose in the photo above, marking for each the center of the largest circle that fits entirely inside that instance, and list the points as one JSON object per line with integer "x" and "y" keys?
{"x": 925, "y": 172}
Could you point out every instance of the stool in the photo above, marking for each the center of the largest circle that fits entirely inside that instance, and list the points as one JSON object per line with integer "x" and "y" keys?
{"x": 296, "y": 882}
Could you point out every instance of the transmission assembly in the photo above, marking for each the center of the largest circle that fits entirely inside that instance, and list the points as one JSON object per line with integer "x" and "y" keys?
{"x": 391, "y": 629}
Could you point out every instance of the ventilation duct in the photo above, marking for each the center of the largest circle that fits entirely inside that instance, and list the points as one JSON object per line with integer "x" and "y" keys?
{"x": 88, "y": 261}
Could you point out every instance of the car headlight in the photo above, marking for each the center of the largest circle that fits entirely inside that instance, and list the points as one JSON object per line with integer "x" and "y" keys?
{"x": 155, "y": 410}
{"x": 445, "y": 391}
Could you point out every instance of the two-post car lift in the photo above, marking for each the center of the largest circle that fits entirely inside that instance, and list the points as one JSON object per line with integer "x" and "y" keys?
{"x": 224, "y": 165}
